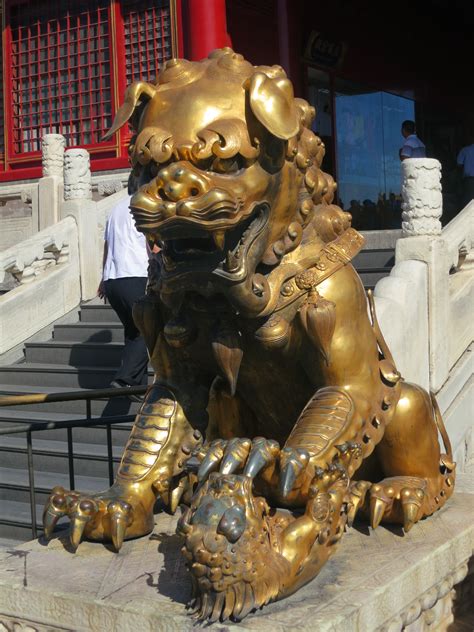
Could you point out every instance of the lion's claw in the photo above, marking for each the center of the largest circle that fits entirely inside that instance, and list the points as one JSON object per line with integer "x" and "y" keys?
{"x": 262, "y": 453}
{"x": 411, "y": 500}
{"x": 103, "y": 516}
{"x": 238, "y": 454}
{"x": 292, "y": 463}
{"x": 120, "y": 514}
{"x": 235, "y": 455}
{"x": 398, "y": 499}
{"x": 357, "y": 493}
{"x": 84, "y": 511}
{"x": 212, "y": 459}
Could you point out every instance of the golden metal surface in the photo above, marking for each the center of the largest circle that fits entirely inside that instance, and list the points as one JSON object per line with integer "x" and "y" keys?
{"x": 258, "y": 332}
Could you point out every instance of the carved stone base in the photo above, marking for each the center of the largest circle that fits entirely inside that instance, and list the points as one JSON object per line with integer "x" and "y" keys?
{"x": 377, "y": 581}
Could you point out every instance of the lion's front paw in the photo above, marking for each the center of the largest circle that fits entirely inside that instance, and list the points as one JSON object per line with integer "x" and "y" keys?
{"x": 114, "y": 515}
{"x": 289, "y": 474}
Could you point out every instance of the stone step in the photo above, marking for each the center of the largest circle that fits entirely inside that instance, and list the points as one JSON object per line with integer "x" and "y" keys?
{"x": 89, "y": 434}
{"x": 14, "y": 484}
{"x": 102, "y": 313}
{"x": 370, "y": 278}
{"x": 43, "y": 374}
{"x": 89, "y": 332}
{"x": 76, "y": 354}
{"x": 99, "y": 407}
{"x": 90, "y": 459}
{"x": 15, "y": 519}
{"x": 380, "y": 258}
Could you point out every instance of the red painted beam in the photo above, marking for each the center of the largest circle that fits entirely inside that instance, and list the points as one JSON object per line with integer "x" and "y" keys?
{"x": 206, "y": 27}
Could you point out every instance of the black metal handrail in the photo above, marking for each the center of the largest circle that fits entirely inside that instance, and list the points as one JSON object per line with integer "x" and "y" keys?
{"x": 88, "y": 396}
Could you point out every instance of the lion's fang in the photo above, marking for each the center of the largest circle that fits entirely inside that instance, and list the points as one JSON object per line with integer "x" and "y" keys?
{"x": 219, "y": 238}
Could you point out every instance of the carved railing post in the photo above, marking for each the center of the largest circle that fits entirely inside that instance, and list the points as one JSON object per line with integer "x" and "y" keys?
{"x": 422, "y": 204}
{"x": 50, "y": 187}
{"x": 78, "y": 203}
{"x": 53, "y": 146}
{"x": 77, "y": 175}
{"x": 422, "y": 208}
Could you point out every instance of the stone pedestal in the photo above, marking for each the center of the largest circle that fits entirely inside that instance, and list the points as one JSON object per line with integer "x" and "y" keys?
{"x": 377, "y": 581}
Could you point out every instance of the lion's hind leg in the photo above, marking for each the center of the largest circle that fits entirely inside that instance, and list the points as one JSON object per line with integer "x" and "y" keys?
{"x": 419, "y": 479}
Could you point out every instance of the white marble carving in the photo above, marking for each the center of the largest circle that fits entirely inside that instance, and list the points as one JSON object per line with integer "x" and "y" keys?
{"x": 77, "y": 175}
{"x": 35, "y": 255}
{"x": 109, "y": 187}
{"x": 422, "y": 204}
{"x": 53, "y": 146}
{"x": 47, "y": 274}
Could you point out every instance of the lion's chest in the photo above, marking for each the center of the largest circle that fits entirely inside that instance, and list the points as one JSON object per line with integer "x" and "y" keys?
{"x": 273, "y": 383}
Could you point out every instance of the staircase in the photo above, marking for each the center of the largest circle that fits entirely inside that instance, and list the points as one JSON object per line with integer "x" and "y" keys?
{"x": 374, "y": 264}
{"x": 83, "y": 355}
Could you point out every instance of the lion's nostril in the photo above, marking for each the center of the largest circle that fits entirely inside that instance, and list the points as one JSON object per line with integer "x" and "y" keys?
{"x": 194, "y": 191}
{"x": 161, "y": 193}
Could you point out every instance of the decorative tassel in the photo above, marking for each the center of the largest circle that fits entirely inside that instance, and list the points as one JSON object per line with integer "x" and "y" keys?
{"x": 228, "y": 353}
{"x": 318, "y": 317}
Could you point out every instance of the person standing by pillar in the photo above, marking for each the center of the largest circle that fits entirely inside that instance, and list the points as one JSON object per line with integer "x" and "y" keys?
{"x": 412, "y": 145}
{"x": 465, "y": 161}
{"x": 124, "y": 279}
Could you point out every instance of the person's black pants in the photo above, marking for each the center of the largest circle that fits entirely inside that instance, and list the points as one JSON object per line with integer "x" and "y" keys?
{"x": 122, "y": 294}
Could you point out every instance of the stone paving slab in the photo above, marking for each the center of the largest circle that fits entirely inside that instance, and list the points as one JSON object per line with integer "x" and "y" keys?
{"x": 377, "y": 580}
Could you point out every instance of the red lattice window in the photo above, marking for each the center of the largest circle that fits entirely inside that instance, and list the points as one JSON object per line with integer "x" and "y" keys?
{"x": 67, "y": 64}
{"x": 147, "y": 33}
{"x": 60, "y": 72}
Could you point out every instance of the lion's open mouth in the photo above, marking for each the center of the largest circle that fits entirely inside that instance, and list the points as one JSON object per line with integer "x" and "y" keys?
{"x": 225, "y": 248}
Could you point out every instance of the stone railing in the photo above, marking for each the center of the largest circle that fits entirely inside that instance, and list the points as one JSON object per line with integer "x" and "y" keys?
{"x": 45, "y": 269}
{"x": 28, "y": 207}
{"x": 67, "y": 254}
{"x": 426, "y": 305}
{"x": 19, "y": 212}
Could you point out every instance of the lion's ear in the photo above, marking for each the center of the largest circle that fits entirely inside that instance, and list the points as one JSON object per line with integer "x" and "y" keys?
{"x": 136, "y": 94}
{"x": 273, "y": 104}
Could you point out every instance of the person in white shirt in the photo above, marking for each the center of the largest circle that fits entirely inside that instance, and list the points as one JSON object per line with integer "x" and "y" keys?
{"x": 412, "y": 146}
{"x": 125, "y": 272}
{"x": 466, "y": 163}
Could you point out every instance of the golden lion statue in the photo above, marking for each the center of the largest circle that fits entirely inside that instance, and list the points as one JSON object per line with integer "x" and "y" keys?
{"x": 268, "y": 368}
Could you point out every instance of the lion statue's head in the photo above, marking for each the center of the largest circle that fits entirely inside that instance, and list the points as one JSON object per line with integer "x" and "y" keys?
{"x": 225, "y": 174}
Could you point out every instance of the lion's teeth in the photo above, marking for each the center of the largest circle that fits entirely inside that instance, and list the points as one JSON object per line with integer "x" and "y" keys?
{"x": 231, "y": 262}
{"x": 219, "y": 238}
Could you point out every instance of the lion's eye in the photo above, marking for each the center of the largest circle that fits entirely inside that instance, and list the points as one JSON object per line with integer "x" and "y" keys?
{"x": 225, "y": 165}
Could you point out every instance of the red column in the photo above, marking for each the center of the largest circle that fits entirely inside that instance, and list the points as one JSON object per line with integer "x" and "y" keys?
{"x": 289, "y": 40}
{"x": 206, "y": 27}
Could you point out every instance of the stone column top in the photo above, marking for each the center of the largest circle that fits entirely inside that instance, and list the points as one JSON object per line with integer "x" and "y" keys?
{"x": 52, "y": 146}
{"x": 77, "y": 174}
{"x": 422, "y": 204}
